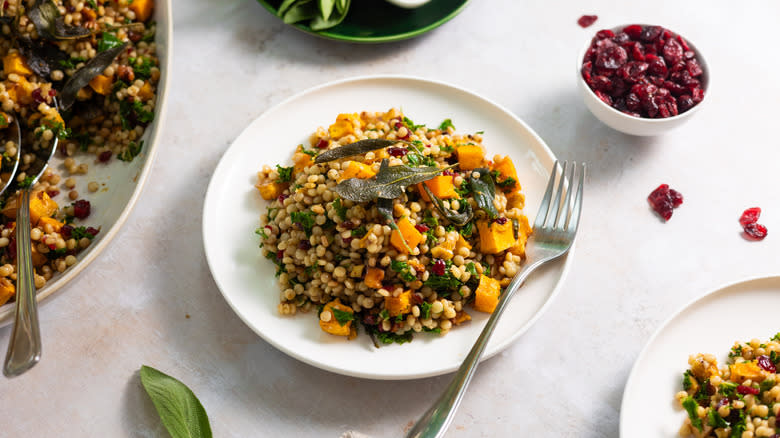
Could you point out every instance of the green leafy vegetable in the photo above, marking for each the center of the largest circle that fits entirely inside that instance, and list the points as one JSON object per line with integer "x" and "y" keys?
{"x": 305, "y": 219}
{"x": 776, "y": 337}
{"x": 471, "y": 268}
{"x": 352, "y": 149}
{"x": 432, "y": 330}
{"x": 341, "y": 211}
{"x": 132, "y": 114}
{"x": 27, "y": 182}
{"x": 457, "y": 218}
{"x": 410, "y": 124}
{"x": 285, "y": 174}
{"x": 445, "y": 284}
{"x": 78, "y": 233}
{"x": 389, "y": 183}
{"x": 429, "y": 220}
{"x": 691, "y": 406}
{"x": 484, "y": 191}
{"x": 342, "y": 316}
{"x": 468, "y": 229}
{"x": 402, "y": 268}
{"x": 739, "y": 425}
{"x": 504, "y": 185}
{"x": 131, "y": 151}
{"x": 109, "y": 41}
{"x": 687, "y": 382}
{"x": 390, "y": 337}
{"x": 261, "y": 232}
{"x": 447, "y": 123}
{"x": 425, "y": 310}
{"x": 728, "y": 389}
{"x": 180, "y": 411}
{"x": 715, "y": 420}
{"x": 774, "y": 357}
{"x": 359, "y": 232}
{"x": 142, "y": 67}
{"x": 736, "y": 351}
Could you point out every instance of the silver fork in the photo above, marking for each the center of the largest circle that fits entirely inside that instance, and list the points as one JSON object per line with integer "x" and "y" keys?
{"x": 554, "y": 230}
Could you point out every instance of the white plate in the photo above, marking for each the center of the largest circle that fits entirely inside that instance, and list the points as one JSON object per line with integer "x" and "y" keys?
{"x": 711, "y": 324}
{"x": 232, "y": 212}
{"x": 124, "y": 181}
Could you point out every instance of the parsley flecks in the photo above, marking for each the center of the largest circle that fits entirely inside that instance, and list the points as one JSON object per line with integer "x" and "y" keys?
{"x": 384, "y": 314}
{"x": 310, "y": 152}
{"x": 132, "y": 114}
{"x": 131, "y": 151}
{"x": 728, "y": 389}
{"x": 261, "y": 232}
{"x": 285, "y": 174}
{"x": 776, "y": 337}
{"x": 305, "y": 219}
{"x": 142, "y": 67}
{"x": 402, "y": 268}
{"x": 691, "y": 406}
{"x": 425, "y": 310}
{"x": 443, "y": 284}
{"x": 410, "y": 124}
{"x": 27, "y": 182}
{"x": 432, "y": 330}
{"x": 467, "y": 230}
{"x": 390, "y": 337}
{"x": 359, "y": 232}
{"x": 79, "y": 232}
{"x": 472, "y": 269}
{"x": 766, "y": 385}
{"x": 687, "y": 384}
{"x": 715, "y": 420}
{"x": 108, "y": 41}
{"x": 485, "y": 269}
{"x": 343, "y": 317}
{"x": 429, "y": 220}
{"x": 446, "y": 124}
{"x": 341, "y": 211}
{"x": 3, "y": 120}
{"x": 92, "y": 4}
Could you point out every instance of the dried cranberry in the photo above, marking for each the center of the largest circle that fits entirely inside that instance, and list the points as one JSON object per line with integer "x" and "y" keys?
{"x": 52, "y": 192}
{"x": 348, "y": 225}
{"x": 744, "y": 390}
{"x": 602, "y": 83}
{"x": 369, "y": 319}
{"x": 755, "y": 231}
{"x": 501, "y": 220}
{"x": 422, "y": 228}
{"x": 322, "y": 144}
{"x": 604, "y": 33}
{"x": 396, "y": 151}
{"x": 766, "y": 363}
{"x": 81, "y": 208}
{"x": 664, "y": 200}
{"x": 656, "y": 66}
{"x": 37, "y": 96}
{"x": 10, "y": 250}
{"x": 66, "y": 231}
{"x": 92, "y": 231}
{"x": 282, "y": 197}
{"x": 634, "y": 31}
{"x": 104, "y": 156}
{"x": 587, "y": 20}
{"x": 439, "y": 267}
{"x": 304, "y": 245}
{"x": 604, "y": 97}
{"x": 417, "y": 298}
{"x": 611, "y": 58}
{"x": 279, "y": 255}
{"x": 694, "y": 69}
{"x": 633, "y": 71}
{"x": 750, "y": 216}
{"x": 650, "y": 33}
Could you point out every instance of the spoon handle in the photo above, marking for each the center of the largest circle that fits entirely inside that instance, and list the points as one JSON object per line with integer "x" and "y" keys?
{"x": 24, "y": 348}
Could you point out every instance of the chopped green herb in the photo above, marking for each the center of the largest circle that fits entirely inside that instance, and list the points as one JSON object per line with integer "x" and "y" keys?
{"x": 776, "y": 337}
{"x": 479, "y": 132}
{"x": 447, "y": 148}
{"x": 429, "y": 220}
{"x": 691, "y": 406}
{"x": 738, "y": 426}
{"x": 390, "y": 337}
{"x": 485, "y": 269}
{"x": 410, "y": 124}
{"x": 774, "y": 357}
{"x": 728, "y": 389}
{"x": 341, "y": 211}
{"x": 3, "y": 120}
{"x": 310, "y": 270}
{"x": 305, "y": 219}
{"x": 310, "y": 152}
{"x": 715, "y": 420}
{"x": 342, "y": 316}
{"x": 736, "y": 351}
{"x": 432, "y": 330}
{"x": 92, "y": 4}
{"x": 425, "y": 310}
{"x": 472, "y": 269}
{"x": 108, "y": 41}
{"x": 687, "y": 383}
{"x": 27, "y": 182}
{"x": 285, "y": 174}
{"x": 403, "y": 270}
{"x": 701, "y": 396}
{"x": 467, "y": 230}
{"x": 384, "y": 314}
{"x": 446, "y": 124}
{"x": 131, "y": 151}
{"x": 261, "y": 232}
{"x": 142, "y": 67}
{"x": 443, "y": 284}
{"x": 132, "y": 114}
{"x": 359, "y": 232}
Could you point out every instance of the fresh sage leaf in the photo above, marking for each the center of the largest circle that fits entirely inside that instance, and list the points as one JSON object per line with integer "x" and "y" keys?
{"x": 180, "y": 411}
{"x": 342, "y": 6}
{"x": 385, "y": 208}
{"x": 300, "y": 11}
{"x": 50, "y": 25}
{"x": 286, "y": 4}
{"x": 484, "y": 191}
{"x": 82, "y": 76}
{"x": 356, "y": 148}
{"x": 326, "y": 8}
{"x": 457, "y": 218}
{"x": 389, "y": 182}
{"x": 319, "y": 23}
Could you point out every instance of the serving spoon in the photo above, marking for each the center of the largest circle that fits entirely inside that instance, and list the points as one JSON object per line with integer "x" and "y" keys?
{"x": 24, "y": 347}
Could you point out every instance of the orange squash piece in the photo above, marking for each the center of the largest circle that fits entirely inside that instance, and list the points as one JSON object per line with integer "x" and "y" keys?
{"x": 442, "y": 186}
{"x": 506, "y": 170}
{"x": 41, "y": 205}
{"x": 146, "y": 92}
{"x": 747, "y": 370}
{"x": 523, "y": 231}
{"x": 486, "y": 295}
{"x": 461, "y": 317}
{"x": 7, "y": 290}
{"x": 411, "y": 236}
{"x": 270, "y": 190}
{"x": 301, "y": 161}
{"x": 15, "y": 63}
{"x": 101, "y": 84}
{"x": 56, "y": 225}
{"x": 357, "y": 170}
{"x": 470, "y": 157}
{"x": 142, "y": 8}
{"x": 400, "y": 305}
{"x": 374, "y": 278}
{"x": 495, "y": 237}
{"x": 333, "y": 326}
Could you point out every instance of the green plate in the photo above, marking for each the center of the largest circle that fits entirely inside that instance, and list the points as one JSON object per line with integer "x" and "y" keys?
{"x": 376, "y": 21}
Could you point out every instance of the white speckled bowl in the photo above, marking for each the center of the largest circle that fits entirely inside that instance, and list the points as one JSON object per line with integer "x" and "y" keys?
{"x": 123, "y": 181}
{"x": 637, "y": 125}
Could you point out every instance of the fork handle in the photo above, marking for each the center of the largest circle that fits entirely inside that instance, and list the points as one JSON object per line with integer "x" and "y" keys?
{"x": 435, "y": 421}
{"x": 24, "y": 347}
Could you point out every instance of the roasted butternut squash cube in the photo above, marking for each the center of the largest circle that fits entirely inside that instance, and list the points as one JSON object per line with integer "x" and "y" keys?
{"x": 41, "y": 205}
{"x": 142, "y": 8}
{"x": 55, "y": 225}
{"x": 523, "y": 231}
{"x": 506, "y": 170}
{"x": 15, "y": 63}
{"x": 270, "y": 190}
{"x": 38, "y": 259}
{"x": 21, "y": 91}
{"x": 7, "y": 290}
{"x": 747, "y": 370}
{"x": 442, "y": 186}
{"x": 407, "y": 234}
{"x": 374, "y": 278}
{"x": 400, "y": 305}
{"x": 515, "y": 200}
{"x": 344, "y": 125}
{"x": 487, "y": 294}
{"x": 301, "y": 161}
{"x": 340, "y": 318}
{"x": 146, "y": 92}
{"x": 102, "y": 84}
{"x": 470, "y": 157}
{"x": 495, "y": 237}
{"x": 462, "y": 243}
{"x": 357, "y": 170}
{"x": 461, "y": 317}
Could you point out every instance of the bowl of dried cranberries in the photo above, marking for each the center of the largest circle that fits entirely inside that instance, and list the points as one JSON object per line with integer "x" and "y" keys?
{"x": 642, "y": 79}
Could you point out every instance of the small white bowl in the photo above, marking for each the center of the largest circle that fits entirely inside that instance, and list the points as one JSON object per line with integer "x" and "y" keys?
{"x": 638, "y": 125}
{"x": 408, "y": 4}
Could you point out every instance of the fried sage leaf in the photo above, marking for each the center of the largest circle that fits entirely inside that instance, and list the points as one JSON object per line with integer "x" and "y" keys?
{"x": 51, "y": 25}
{"x": 82, "y": 76}
{"x": 42, "y": 56}
{"x": 356, "y": 148}
{"x": 484, "y": 190}
{"x": 457, "y": 218}
{"x": 389, "y": 183}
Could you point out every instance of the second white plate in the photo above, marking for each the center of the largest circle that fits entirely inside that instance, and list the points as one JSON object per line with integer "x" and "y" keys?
{"x": 711, "y": 324}
{"x": 232, "y": 210}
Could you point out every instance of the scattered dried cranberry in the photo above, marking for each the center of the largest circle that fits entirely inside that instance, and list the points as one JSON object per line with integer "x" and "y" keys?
{"x": 664, "y": 200}
{"x": 104, "y": 156}
{"x": 322, "y": 144}
{"x": 755, "y": 231}
{"x": 396, "y": 151}
{"x": 643, "y": 71}
{"x": 587, "y": 20}
{"x": 279, "y": 255}
{"x": 369, "y": 319}
{"x": 417, "y": 298}
{"x": 282, "y": 197}
{"x": 92, "y": 231}
{"x": 439, "y": 267}
{"x": 348, "y": 225}
{"x": 37, "y": 96}
{"x": 749, "y": 222}
{"x": 81, "y": 208}
{"x": 742, "y": 389}
{"x": 304, "y": 245}
{"x": 422, "y": 228}
{"x": 52, "y": 192}
{"x": 750, "y": 216}
{"x": 66, "y": 231}
{"x": 766, "y": 363}
{"x": 501, "y": 220}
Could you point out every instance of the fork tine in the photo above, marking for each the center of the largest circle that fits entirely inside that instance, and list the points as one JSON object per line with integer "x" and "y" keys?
{"x": 541, "y": 216}
{"x": 555, "y": 208}
{"x": 563, "y": 213}
{"x": 574, "y": 221}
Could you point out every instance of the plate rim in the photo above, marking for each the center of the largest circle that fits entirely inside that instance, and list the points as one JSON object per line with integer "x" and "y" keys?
{"x": 632, "y": 376}
{"x": 211, "y": 189}
{"x": 7, "y": 315}
{"x": 332, "y": 36}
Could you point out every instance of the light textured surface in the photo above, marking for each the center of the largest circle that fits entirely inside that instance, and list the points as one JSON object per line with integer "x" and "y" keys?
{"x": 565, "y": 376}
